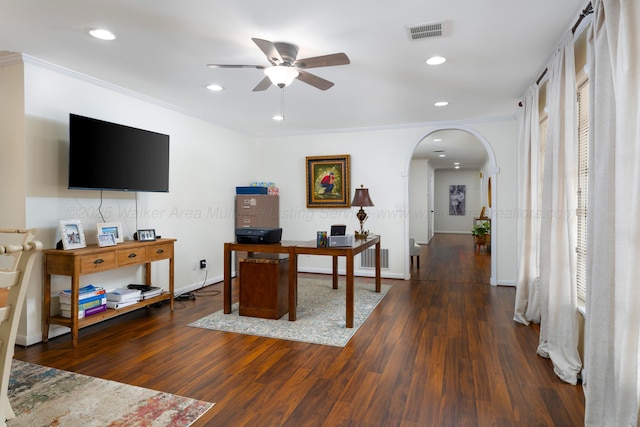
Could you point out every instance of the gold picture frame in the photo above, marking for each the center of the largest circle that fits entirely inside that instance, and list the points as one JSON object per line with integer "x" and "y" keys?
{"x": 328, "y": 181}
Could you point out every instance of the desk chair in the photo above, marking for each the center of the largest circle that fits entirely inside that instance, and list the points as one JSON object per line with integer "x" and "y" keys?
{"x": 16, "y": 263}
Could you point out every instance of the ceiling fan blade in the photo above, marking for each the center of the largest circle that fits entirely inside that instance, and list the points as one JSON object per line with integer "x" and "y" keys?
{"x": 259, "y": 67}
{"x": 263, "y": 85}
{"x": 313, "y": 80}
{"x": 269, "y": 49}
{"x": 323, "y": 61}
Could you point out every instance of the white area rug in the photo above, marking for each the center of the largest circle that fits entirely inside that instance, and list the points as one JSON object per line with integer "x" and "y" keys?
{"x": 321, "y": 315}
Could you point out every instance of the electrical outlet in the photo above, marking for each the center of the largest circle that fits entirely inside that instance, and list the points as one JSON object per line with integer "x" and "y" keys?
{"x": 203, "y": 263}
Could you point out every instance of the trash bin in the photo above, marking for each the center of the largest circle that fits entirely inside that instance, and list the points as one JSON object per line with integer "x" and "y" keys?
{"x": 264, "y": 285}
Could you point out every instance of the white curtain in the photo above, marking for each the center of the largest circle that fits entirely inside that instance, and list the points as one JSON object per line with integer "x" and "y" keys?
{"x": 558, "y": 294}
{"x": 613, "y": 245}
{"x": 527, "y": 304}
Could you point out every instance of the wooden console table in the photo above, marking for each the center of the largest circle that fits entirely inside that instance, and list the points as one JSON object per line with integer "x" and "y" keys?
{"x": 94, "y": 259}
{"x": 295, "y": 248}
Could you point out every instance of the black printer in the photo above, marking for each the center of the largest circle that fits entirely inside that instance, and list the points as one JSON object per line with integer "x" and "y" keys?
{"x": 258, "y": 235}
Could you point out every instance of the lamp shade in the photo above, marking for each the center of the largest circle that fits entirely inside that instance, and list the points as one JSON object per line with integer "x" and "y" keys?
{"x": 281, "y": 75}
{"x": 361, "y": 198}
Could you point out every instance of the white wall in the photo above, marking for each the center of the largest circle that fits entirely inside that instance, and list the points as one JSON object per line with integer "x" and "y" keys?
{"x": 377, "y": 162}
{"x": 421, "y": 176}
{"x": 206, "y": 164}
{"x": 503, "y": 139}
{"x": 12, "y": 160}
{"x": 444, "y": 178}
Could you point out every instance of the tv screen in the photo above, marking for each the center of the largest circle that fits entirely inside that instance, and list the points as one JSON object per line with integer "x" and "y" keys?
{"x": 110, "y": 156}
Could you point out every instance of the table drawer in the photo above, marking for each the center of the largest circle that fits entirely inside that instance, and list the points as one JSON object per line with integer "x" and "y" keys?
{"x": 137, "y": 255}
{"x": 158, "y": 252}
{"x": 97, "y": 262}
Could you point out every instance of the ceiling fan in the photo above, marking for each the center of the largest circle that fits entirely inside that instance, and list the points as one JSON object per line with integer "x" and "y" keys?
{"x": 285, "y": 67}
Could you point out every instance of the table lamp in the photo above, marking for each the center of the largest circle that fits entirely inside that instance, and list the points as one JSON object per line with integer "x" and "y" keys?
{"x": 361, "y": 198}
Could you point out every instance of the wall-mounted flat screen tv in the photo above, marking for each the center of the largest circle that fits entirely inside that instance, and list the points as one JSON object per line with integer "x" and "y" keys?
{"x": 110, "y": 156}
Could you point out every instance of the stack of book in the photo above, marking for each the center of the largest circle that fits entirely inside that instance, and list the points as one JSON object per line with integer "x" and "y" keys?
{"x": 91, "y": 300}
{"x": 123, "y": 297}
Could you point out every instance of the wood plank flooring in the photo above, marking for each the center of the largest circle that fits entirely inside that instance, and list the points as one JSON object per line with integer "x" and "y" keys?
{"x": 440, "y": 350}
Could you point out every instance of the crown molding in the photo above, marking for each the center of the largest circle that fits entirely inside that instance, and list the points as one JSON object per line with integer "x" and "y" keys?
{"x": 10, "y": 58}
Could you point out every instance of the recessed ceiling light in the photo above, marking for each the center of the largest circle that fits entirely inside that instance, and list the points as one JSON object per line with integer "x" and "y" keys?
{"x": 278, "y": 118}
{"x": 441, "y": 104}
{"x": 442, "y": 155}
{"x": 456, "y": 163}
{"x": 437, "y": 139}
{"x": 102, "y": 34}
{"x": 456, "y": 167}
{"x": 436, "y": 60}
{"x": 215, "y": 88}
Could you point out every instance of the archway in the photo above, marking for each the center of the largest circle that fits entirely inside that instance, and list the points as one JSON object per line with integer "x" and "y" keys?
{"x": 490, "y": 169}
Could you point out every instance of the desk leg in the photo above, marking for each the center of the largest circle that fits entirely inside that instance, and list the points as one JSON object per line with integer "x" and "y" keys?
{"x": 293, "y": 283}
{"x": 226, "y": 287}
{"x": 335, "y": 272}
{"x": 75, "y": 286}
{"x": 171, "y": 281}
{"x": 349, "y": 289}
{"x": 46, "y": 305}
{"x": 378, "y": 287}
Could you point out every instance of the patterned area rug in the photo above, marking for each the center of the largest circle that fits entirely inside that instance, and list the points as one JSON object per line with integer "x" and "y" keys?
{"x": 321, "y": 317}
{"x": 42, "y": 396}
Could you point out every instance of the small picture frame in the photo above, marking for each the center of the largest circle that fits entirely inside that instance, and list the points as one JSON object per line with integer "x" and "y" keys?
{"x": 321, "y": 239}
{"x": 114, "y": 228}
{"x": 108, "y": 239}
{"x": 72, "y": 234}
{"x": 148, "y": 235}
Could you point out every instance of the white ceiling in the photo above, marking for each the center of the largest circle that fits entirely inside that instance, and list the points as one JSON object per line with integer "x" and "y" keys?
{"x": 494, "y": 48}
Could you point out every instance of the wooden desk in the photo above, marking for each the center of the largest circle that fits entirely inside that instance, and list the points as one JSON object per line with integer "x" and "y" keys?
{"x": 93, "y": 259}
{"x": 295, "y": 248}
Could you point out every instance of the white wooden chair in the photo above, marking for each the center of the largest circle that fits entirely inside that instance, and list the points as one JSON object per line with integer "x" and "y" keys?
{"x": 17, "y": 257}
{"x": 414, "y": 250}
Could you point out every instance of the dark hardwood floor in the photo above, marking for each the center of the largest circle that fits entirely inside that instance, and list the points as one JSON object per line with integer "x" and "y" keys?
{"x": 440, "y": 350}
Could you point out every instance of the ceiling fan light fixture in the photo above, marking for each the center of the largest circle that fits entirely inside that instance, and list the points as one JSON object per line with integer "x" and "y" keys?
{"x": 281, "y": 75}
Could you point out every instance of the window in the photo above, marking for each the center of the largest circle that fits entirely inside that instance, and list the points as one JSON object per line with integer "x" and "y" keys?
{"x": 583, "y": 188}
{"x": 544, "y": 127}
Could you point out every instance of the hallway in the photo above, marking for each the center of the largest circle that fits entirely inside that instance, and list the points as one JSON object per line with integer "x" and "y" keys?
{"x": 452, "y": 258}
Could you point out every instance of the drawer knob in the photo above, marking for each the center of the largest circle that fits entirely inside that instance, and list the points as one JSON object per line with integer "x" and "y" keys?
{"x": 132, "y": 255}
{"x": 160, "y": 251}
{"x": 98, "y": 261}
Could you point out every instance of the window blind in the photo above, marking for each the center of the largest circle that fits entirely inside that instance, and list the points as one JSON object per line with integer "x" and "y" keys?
{"x": 583, "y": 188}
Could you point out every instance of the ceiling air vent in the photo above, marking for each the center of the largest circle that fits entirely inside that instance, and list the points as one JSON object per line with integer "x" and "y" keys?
{"x": 425, "y": 31}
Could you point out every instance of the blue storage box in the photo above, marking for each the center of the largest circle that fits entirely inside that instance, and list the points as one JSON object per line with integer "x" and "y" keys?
{"x": 251, "y": 190}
